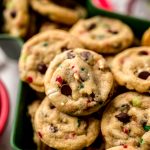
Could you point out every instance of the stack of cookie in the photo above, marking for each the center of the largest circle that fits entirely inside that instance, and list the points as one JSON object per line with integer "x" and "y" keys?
{"x": 78, "y": 83}
{"x": 27, "y": 17}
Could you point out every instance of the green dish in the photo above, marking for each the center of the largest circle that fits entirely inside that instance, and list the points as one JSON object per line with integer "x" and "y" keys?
{"x": 21, "y": 136}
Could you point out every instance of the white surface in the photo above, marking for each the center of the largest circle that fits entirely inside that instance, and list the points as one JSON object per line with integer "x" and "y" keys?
{"x": 9, "y": 76}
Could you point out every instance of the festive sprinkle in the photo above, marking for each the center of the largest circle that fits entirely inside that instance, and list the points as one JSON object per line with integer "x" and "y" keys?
{"x": 29, "y": 79}
{"x": 82, "y": 69}
{"x": 147, "y": 128}
{"x": 81, "y": 86}
{"x": 141, "y": 141}
{"x": 45, "y": 44}
{"x": 59, "y": 80}
{"x": 76, "y": 76}
{"x": 39, "y": 134}
{"x": 125, "y": 130}
{"x": 136, "y": 102}
{"x": 125, "y": 146}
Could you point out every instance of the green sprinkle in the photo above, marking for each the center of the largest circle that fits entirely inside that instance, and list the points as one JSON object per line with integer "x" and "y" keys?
{"x": 82, "y": 69}
{"x": 141, "y": 141}
{"x": 24, "y": 57}
{"x": 79, "y": 122}
{"x": 100, "y": 37}
{"x": 136, "y": 102}
{"x": 106, "y": 25}
{"x": 147, "y": 128}
{"x": 45, "y": 44}
{"x": 81, "y": 86}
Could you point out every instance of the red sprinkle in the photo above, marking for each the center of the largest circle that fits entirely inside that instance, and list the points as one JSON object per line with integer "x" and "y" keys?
{"x": 126, "y": 130}
{"x": 29, "y": 79}
{"x": 59, "y": 80}
{"x": 125, "y": 146}
{"x": 39, "y": 134}
{"x": 72, "y": 67}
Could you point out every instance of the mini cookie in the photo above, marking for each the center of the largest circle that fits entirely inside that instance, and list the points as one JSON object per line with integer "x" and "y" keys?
{"x": 64, "y": 132}
{"x": 123, "y": 147}
{"x": 103, "y": 35}
{"x": 146, "y": 38}
{"x": 66, "y": 11}
{"x": 126, "y": 121}
{"x": 38, "y": 52}
{"x": 47, "y": 25}
{"x": 78, "y": 82}
{"x": 131, "y": 68}
{"x": 16, "y": 17}
{"x": 32, "y": 108}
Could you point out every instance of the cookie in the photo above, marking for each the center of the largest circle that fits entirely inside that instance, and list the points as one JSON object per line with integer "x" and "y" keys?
{"x": 123, "y": 147}
{"x": 64, "y": 132}
{"x": 66, "y": 11}
{"x": 131, "y": 68}
{"x": 32, "y": 108}
{"x": 78, "y": 82}
{"x": 47, "y": 25}
{"x": 38, "y": 52}
{"x": 126, "y": 121}
{"x": 16, "y": 17}
{"x": 103, "y": 35}
{"x": 146, "y": 38}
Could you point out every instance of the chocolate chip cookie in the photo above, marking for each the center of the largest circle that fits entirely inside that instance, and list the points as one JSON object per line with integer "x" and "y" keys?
{"x": 64, "y": 132}
{"x": 146, "y": 38}
{"x": 16, "y": 17}
{"x": 66, "y": 11}
{"x": 131, "y": 68}
{"x": 38, "y": 52}
{"x": 103, "y": 35}
{"x": 126, "y": 121}
{"x": 78, "y": 82}
{"x": 32, "y": 108}
{"x": 123, "y": 147}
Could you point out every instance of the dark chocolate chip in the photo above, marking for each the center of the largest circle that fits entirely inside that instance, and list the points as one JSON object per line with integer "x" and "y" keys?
{"x": 66, "y": 90}
{"x": 91, "y": 26}
{"x": 143, "y": 122}
{"x": 112, "y": 31}
{"x": 143, "y": 53}
{"x": 42, "y": 68}
{"x": 53, "y": 128}
{"x": 13, "y": 14}
{"x": 64, "y": 48}
{"x": 123, "y": 117}
{"x": 52, "y": 106}
{"x": 144, "y": 75}
{"x": 70, "y": 55}
{"x": 85, "y": 55}
{"x": 39, "y": 134}
{"x": 92, "y": 95}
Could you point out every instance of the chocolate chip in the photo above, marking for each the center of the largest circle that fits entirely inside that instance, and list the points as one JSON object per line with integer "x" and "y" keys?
{"x": 143, "y": 53}
{"x": 39, "y": 134}
{"x": 53, "y": 128}
{"x": 92, "y": 95}
{"x": 66, "y": 90}
{"x": 143, "y": 122}
{"x": 52, "y": 106}
{"x": 70, "y": 55}
{"x": 64, "y": 48}
{"x": 13, "y": 14}
{"x": 91, "y": 26}
{"x": 123, "y": 117}
{"x": 42, "y": 68}
{"x": 85, "y": 55}
{"x": 144, "y": 75}
{"x": 112, "y": 31}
